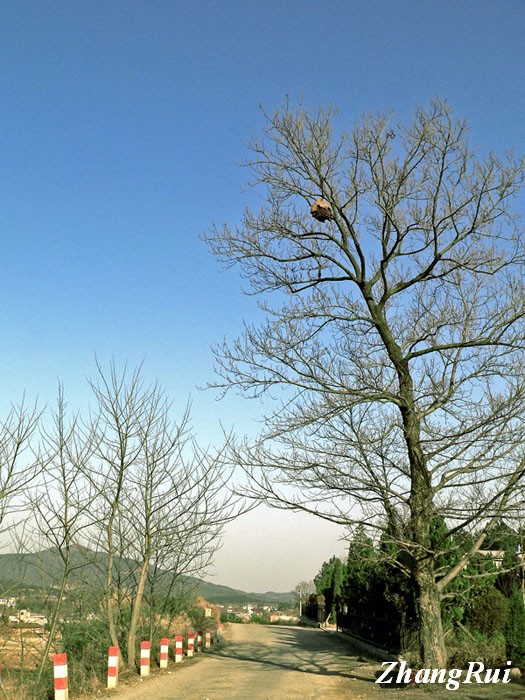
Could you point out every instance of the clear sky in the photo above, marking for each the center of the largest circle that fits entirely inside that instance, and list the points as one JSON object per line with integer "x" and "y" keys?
{"x": 122, "y": 126}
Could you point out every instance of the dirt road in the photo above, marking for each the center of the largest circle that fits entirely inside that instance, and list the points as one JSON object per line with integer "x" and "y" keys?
{"x": 265, "y": 663}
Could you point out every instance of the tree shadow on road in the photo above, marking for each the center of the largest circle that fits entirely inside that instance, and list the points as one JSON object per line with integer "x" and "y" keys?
{"x": 304, "y": 651}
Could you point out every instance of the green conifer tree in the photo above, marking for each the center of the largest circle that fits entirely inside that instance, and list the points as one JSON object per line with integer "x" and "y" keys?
{"x": 515, "y": 630}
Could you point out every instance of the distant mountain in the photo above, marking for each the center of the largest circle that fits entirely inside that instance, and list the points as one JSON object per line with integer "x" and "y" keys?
{"x": 224, "y": 595}
{"x": 42, "y": 570}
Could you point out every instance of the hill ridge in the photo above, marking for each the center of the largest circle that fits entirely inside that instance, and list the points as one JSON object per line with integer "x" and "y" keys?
{"x": 42, "y": 569}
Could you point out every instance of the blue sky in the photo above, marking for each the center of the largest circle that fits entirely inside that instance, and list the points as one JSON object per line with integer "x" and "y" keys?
{"x": 122, "y": 127}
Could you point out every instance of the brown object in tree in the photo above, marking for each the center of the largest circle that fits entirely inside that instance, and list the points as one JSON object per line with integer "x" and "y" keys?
{"x": 321, "y": 210}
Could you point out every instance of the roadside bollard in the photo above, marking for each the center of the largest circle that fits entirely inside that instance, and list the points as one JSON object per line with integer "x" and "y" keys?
{"x": 112, "y": 667}
{"x": 164, "y": 646}
{"x": 60, "y": 677}
{"x": 199, "y": 641}
{"x": 145, "y": 650}
{"x": 191, "y": 644}
{"x": 178, "y": 648}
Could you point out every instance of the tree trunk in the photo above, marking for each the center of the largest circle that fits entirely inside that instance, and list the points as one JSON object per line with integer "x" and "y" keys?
{"x": 428, "y": 598}
{"x": 432, "y": 647}
{"x": 421, "y": 502}
{"x": 110, "y": 599}
{"x": 135, "y": 615}
{"x": 54, "y": 617}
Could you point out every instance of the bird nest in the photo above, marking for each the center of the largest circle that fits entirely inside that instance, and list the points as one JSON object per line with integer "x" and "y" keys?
{"x": 321, "y": 210}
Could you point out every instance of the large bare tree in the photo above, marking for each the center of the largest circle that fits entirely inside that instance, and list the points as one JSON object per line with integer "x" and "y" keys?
{"x": 395, "y": 338}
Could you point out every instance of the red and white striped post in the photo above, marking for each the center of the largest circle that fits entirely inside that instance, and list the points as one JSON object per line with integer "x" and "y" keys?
{"x": 199, "y": 640}
{"x": 60, "y": 677}
{"x": 145, "y": 653}
{"x": 191, "y": 644}
{"x": 112, "y": 667}
{"x": 164, "y": 646}
{"x": 178, "y": 648}
{"x": 207, "y": 644}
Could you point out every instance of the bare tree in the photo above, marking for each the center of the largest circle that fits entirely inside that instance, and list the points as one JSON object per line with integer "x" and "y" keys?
{"x": 62, "y": 502}
{"x": 396, "y": 335}
{"x": 187, "y": 528}
{"x": 161, "y": 499}
{"x": 122, "y": 408}
{"x": 302, "y": 591}
{"x": 17, "y": 459}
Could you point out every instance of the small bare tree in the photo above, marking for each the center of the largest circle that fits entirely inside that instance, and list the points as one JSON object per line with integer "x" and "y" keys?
{"x": 302, "y": 591}
{"x": 122, "y": 407}
{"x": 17, "y": 459}
{"x": 396, "y": 334}
{"x": 161, "y": 500}
{"x": 62, "y": 502}
{"x": 187, "y": 529}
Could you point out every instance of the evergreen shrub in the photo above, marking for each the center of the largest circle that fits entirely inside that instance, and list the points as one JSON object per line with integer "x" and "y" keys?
{"x": 488, "y": 612}
{"x": 515, "y": 630}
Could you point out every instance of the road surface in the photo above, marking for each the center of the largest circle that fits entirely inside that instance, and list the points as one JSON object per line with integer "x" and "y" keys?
{"x": 265, "y": 663}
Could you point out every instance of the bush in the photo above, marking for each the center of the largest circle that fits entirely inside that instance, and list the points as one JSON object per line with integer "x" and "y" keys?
{"x": 29, "y": 687}
{"x": 86, "y": 645}
{"x": 488, "y": 612}
{"x": 515, "y": 630}
{"x": 478, "y": 647}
